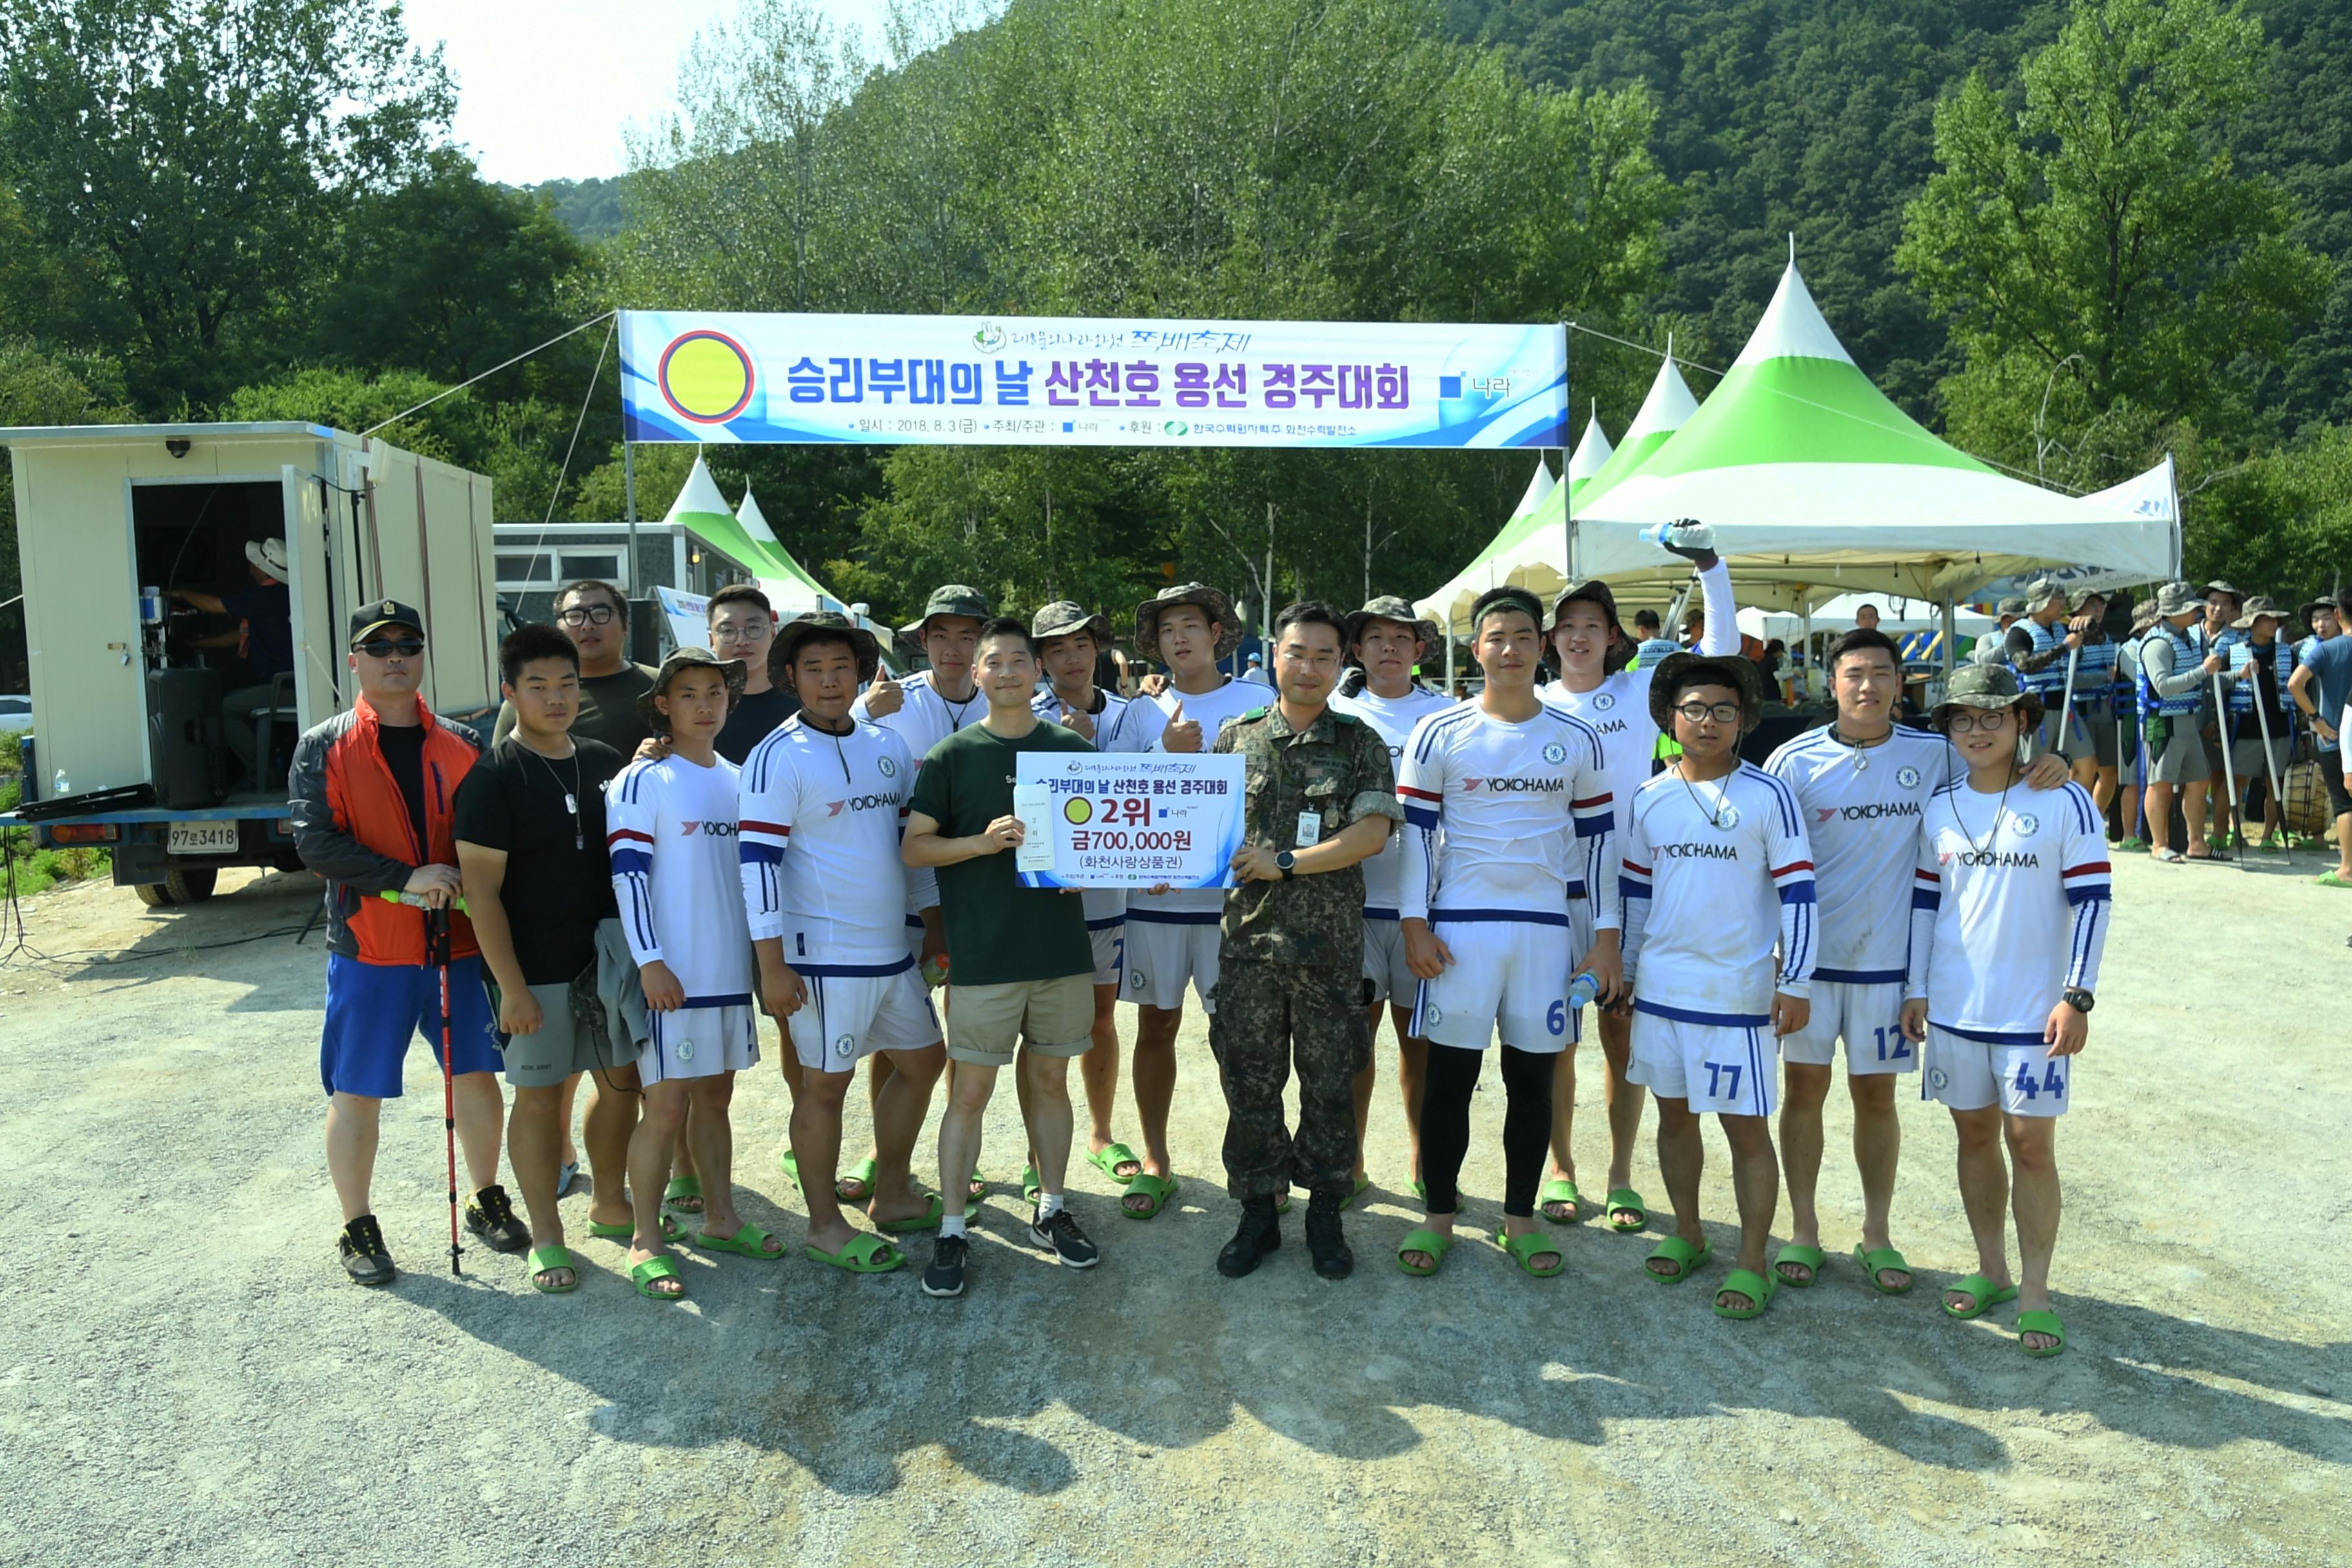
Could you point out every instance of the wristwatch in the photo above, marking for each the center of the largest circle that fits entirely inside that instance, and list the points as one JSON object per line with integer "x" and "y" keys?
{"x": 1283, "y": 862}
{"x": 2077, "y": 998}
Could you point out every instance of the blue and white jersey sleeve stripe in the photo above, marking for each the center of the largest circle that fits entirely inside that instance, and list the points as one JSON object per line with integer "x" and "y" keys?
{"x": 1791, "y": 857}
{"x": 1421, "y": 788}
{"x": 1596, "y": 830}
{"x": 1926, "y": 905}
{"x": 2086, "y": 870}
{"x": 629, "y": 838}
{"x": 1633, "y": 860}
{"x": 770, "y": 801}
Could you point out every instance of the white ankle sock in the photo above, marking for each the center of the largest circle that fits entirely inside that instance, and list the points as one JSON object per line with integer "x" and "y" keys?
{"x": 1048, "y": 1205}
{"x": 952, "y": 1225}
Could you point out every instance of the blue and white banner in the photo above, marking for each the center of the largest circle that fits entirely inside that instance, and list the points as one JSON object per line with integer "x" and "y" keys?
{"x": 696, "y": 375}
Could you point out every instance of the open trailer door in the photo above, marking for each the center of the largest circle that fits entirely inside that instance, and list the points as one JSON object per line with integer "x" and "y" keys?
{"x": 318, "y": 667}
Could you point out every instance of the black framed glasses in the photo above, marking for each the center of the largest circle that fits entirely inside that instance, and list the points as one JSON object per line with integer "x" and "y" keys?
{"x": 1960, "y": 721}
{"x": 387, "y": 648}
{"x": 1700, "y": 712}
{"x": 586, "y": 615}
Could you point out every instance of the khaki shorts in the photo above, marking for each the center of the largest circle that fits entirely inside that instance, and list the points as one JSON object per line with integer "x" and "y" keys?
{"x": 574, "y": 1035}
{"x": 1055, "y": 1018}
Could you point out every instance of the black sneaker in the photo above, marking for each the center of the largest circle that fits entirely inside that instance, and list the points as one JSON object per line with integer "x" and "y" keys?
{"x": 945, "y": 1275}
{"x": 1324, "y": 1238}
{"x": 1260, "y": 1233}
{"x": 365, "y": 1257}
{"x": 1059, "y": 1234}
{"x": 490, "y": 1215}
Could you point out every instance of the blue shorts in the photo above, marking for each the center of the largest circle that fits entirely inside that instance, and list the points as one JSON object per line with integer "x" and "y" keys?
{"x": 373, "y": 1009}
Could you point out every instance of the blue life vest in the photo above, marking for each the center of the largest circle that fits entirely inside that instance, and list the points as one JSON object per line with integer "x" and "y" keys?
{"x": 2185, "y": 656}
{"x": 2094, "y": 673}
{"x": 2049, "y": 681}
{"x": 2241, "y": 696}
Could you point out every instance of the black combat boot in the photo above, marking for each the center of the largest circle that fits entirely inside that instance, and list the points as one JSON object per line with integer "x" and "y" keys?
{"x": 1259, "y": 1234}
{"x": 1324, "y": 1238}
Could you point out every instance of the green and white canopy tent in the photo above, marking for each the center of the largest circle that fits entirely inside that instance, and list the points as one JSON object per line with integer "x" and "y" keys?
{"x": 1667, "y": 409}
{"x": 1450, "y": 605}
{"x": 791, "y": 590}
{"x": 748, "y": 541}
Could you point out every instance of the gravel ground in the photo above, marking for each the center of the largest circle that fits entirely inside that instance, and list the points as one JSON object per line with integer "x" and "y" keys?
{"x": 189, "y": 1380}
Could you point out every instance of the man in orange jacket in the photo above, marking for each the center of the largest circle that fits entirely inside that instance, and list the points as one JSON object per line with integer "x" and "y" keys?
{"x": 373, "y": 792}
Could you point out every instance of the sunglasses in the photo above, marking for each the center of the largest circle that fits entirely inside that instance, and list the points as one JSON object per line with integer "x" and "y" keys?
{"x": 386, "y": 647}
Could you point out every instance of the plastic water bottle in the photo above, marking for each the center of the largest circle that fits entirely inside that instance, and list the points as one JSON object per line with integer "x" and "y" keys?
{"x": 1584, "y": 988}
{"x": 60, "y": 786}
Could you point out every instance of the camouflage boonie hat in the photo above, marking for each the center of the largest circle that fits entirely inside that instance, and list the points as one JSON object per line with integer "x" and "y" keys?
{"x": 681, "y": 660}
{"x": 1067, "y": 618}
{"x": 2040, "y": 594}
{"x": 2177, "y": 599}
{"x": 950, "y": 599}
{"x": 1215, "y": 605}
{"x": 2009, "y": 607}
{"x": 2258, "y": 606}
{"x": 1987, "y": 687}
{"x": 1389, "y": 607}
{"x": 864, "y": 645}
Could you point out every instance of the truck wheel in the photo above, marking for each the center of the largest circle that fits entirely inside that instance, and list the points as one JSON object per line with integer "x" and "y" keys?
{"x": 191, "y": 887}
{"x": 155, "y": 895}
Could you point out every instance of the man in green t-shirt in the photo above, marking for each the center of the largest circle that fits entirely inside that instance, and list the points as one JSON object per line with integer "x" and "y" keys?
{"x": 1019, "y": 961}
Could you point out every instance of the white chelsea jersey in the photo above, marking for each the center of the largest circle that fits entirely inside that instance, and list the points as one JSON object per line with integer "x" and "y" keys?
{"x": 1862, "y": 810}
{"x": 924, "y": 718}
{"x": 1393, "y": 718}
{"x": 822, "y": 815}
{"x": 1122, "y": 725}
{"x": 1212, "y": 710}
{"x": 671, "y": 828}
{"x": 2011, "y": 908}
{"x": 1504, "y": 821}
{"x": 1716, "y": 873}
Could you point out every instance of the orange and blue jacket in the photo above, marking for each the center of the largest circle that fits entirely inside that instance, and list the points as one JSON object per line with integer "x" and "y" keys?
{"x": 351, "y": 826}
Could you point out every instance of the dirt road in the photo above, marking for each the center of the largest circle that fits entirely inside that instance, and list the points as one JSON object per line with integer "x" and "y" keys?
{"x": 189, "y": 1380}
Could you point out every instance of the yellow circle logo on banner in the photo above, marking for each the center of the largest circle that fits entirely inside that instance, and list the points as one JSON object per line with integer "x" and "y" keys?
{"x": 707, "y": 376}
{"x": 1079, "y": 810}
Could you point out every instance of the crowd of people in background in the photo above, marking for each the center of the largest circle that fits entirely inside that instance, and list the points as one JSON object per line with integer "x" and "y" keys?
{"x": 647, "y": 862}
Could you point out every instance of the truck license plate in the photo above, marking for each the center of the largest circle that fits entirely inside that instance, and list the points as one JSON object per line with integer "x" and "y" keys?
{"x": 203, "y": 838}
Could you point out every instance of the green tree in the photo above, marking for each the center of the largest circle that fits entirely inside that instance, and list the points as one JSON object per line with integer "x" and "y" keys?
{"x": 38, "y": 388}
{"x": 2098, "y": 250}
{"x": 198, "y": 154}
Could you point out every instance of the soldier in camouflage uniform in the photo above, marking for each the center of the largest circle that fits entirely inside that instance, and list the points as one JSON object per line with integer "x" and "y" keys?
{"x": 1290, "y": 981}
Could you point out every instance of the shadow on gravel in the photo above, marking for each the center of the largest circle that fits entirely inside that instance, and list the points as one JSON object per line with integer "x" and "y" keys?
{"x": 852, "y": 1377}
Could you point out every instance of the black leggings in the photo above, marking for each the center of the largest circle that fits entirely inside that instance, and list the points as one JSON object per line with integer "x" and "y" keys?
{"x": 1445, "y": 1125}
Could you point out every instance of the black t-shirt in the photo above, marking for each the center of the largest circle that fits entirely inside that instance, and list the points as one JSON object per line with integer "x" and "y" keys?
{"x": 403, "y": 748}
{"x": 607, "y": 711}
{"x": 752, "y": 720}
{"x": 558, "y": 883}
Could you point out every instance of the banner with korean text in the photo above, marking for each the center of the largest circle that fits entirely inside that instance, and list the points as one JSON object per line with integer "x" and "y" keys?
{"x": 1123, "y": 820}
{"x": 695, "y": 376}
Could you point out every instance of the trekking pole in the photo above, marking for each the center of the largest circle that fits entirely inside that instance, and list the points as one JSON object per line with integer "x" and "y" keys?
{"x": 2066, "y": 703}
{"x": 2270, "y": 766}
{"x": 2229, "y": 769}
{"x": 436, "y": 952}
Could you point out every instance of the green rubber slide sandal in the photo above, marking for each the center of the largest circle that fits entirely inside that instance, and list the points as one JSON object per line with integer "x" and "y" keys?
{"x": 1808, "y": 1258}
{"x": 751, "y": 1241}
{"x": 1156, "y": 1191}
{"x": 864, "y": 1254}
{"x": 1031, "y": 1191}
{"x": 643, "y": 1275}
{"x": 790, "y": 1163}
{"x": 1525, "y": 1249}
{"x": 1759, "y": 1288}
{"x": 1559, "y": 1193}
{"x": 1875, "y": 1262}
{"x": 684, "y": 1194}
{"x": 1983, "y": 1297}
{"x": 1681, "y": 1253}
{"x": 1111, "y": 1157}
{"x": 1434, "y": 1243}
{"x": 928, "y": 1220}
{"x": 546, "y": 1261}
{"x": 1624, "y": 1201}
{"x": 1363, "y": 1185}
{"x": 861, "y": 1175}
{"x": 2040, "y": 1323}
{"x": 671, "y": 1230}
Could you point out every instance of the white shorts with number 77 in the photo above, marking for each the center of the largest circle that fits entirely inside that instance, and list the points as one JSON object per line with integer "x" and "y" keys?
{"x": 1722, "y": 1069}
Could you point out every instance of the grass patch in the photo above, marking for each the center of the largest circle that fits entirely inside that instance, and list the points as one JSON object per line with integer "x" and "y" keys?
{"x": 38, "y": 870}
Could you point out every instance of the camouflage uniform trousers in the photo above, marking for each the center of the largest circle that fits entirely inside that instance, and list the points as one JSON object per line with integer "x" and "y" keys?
{"x": 1267, "y": 1013}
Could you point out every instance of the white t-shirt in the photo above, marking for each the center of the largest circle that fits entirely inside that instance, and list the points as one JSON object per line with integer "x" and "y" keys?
{"x": 1212, "y": 710}
{"x": 821, "y": 818}
{"x": 1619, "y": 708}
{"x": 1504, "y": 821}
{"x": 1394, "y": 718}
{"x": 1861, "y": 811}
{"x": 2012, "y": 908}
{"x": 1121, "y": 724}
{"x": 671, "y": 826}
{"x": 1717, "y": 874}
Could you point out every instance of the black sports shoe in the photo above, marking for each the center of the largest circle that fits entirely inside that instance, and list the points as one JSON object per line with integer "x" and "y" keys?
{"x": 365, "y": 1257}
{"x": 945, "y": 1275}
{"x": 1260, "y": 1233}
{"x": 1059, "y": 1234}
{"x": 1325, "y": 1239}
{"x": 490, "y": 1215}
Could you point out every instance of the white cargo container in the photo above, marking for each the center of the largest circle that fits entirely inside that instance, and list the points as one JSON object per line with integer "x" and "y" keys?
{"x": 104, "y": 512}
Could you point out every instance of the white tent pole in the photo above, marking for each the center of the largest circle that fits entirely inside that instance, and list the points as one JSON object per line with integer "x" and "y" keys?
{"x": 1812, "y": 659}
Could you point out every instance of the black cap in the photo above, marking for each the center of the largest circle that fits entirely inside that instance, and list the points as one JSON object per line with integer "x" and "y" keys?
{"x": 384, "y": 613}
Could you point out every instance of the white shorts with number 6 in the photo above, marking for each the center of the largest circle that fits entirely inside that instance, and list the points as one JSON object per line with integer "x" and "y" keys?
{"x": 1968, "y": 1071}
{"x": 1870, "y": 1020}
{"x": 1506, "y": 973}
{"x": 1722, "y": 1069}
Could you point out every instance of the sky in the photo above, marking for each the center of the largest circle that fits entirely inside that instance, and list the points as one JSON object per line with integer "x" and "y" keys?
{"x": 545, "y": 86}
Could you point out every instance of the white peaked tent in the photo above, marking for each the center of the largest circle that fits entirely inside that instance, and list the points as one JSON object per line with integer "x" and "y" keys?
{"x": 2156, "y": 493}
{"x": 1591, "y": 455}
{"x": 1667, "y": 409}
{"x": 1450, "y": 605}
{"x": 791, "y": 590}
